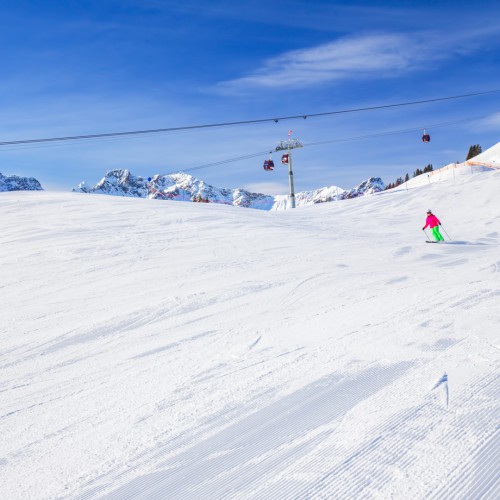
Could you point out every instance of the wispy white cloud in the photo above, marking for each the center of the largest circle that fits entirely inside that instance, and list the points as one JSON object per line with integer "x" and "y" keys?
{"x": 490, "y": 122}
{"x": 374, "y": 55}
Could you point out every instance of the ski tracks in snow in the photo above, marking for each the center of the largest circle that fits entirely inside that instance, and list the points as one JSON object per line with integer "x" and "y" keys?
{"x": 240, "y": 457}
{"x": 317, "y": 443}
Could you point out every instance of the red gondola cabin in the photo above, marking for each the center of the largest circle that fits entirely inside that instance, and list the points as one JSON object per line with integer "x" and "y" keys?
{"x": 268, "y": 165}
{"x": 426, "y": 137}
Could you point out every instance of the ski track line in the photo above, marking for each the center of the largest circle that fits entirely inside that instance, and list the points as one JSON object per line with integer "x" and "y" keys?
{"x": 479, "y": 477}
{"x": 488, "y": 463}
{"x": 280, "y": 462}
{"x": 346, "y": 478}
{"x": 334, "y": 454}
{"x": 472, "y": 420}
{"x": 284, "y": 488}
{"x": 356, "y": 471}
{"x": 372, "y": 471}
{"x": 349, "y": 479}
{"x": 449, "y": 438}
{"x": 141, "y": 318}
{"x": 170, "y": 448}
{"x": 233, "y": 481}
{"x": 264, "y": 474}
{"x": 173, "y": 345}
{"x": 245, "y": 441}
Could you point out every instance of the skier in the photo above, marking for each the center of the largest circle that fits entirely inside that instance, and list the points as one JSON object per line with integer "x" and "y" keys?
{"x": 433, "y": 222}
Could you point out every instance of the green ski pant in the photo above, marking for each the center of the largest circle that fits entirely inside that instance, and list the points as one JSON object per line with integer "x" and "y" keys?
{"x": 437, "y": 235}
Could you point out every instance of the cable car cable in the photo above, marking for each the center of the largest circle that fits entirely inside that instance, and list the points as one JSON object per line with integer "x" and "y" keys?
{"x": 332, "y": 141}
{"x": 241, "y": 122}
{"x": 395, "y": 132}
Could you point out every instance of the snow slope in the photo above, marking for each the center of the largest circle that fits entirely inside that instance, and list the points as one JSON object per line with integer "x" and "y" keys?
{"x": 485, "y": 162}
{"x": 182, "y": 350}
{"x": 491, "y": 156}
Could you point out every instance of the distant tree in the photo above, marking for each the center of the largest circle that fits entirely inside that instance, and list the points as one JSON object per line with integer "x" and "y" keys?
{"x": 417, "y": 172}
{"x": 474, "y": 150}
{"x": 428, "y": 168}
{"x": 398, "y": 182}
{"x": 199, "y": 199}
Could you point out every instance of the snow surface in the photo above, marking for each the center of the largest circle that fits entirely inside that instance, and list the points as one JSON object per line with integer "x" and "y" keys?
{"x": 182, "y": 350}
{"x": 490, "y": 156}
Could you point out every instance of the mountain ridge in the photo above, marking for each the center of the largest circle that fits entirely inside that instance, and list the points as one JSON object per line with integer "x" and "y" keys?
{"x": 16, "y": 183}
{"x": 184, "y": 187}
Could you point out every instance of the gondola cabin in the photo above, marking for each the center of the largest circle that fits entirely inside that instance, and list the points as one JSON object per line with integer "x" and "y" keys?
{"x": 426, "y": 137}
{"x": 284, "y": 159}
{"x": 268, "y": 165}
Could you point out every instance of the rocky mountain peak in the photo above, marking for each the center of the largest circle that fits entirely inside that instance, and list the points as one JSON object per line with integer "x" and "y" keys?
{"x": 15, "y": 183}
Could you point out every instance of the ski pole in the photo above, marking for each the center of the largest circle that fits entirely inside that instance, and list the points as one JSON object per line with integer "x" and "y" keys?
{"x": 446, "y": 232}
{"x": 427, "y": 237}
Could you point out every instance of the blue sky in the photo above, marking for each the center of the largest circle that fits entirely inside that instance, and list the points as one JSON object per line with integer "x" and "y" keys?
{"x": 82, "y": 67}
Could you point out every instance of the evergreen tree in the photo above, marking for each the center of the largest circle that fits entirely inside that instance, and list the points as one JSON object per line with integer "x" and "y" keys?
{"x": 407, "y": 177}
{"x": 474, "y": 150}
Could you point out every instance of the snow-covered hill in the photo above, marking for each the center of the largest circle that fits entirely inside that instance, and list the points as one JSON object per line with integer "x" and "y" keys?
{"x": 184, "y": 187}
{"x": 489, "y": 157}
{"x": 15, "y": 183}
{"x": 485, "y": 162}
{"x": 188, "y": 351}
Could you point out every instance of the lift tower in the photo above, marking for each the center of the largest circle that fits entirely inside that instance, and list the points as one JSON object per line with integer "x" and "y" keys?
{"x": 287, "y": 146}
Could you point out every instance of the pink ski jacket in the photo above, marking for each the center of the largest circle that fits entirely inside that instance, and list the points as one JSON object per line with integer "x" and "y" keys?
{"x": 431, "y": 221}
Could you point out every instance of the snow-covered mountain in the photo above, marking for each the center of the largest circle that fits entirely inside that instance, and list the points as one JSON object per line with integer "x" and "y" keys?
{"x": 370, "y": 186}
{"x": 117, "y": 183}
{"x": 179, "y": 187}
{"x": 15, "y": 183}
{"x": 321, "y": 195}
{"x": 184, "y": 187}
{"x": 331, "y": 193}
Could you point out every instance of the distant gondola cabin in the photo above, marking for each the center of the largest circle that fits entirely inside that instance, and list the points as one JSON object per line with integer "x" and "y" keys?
{"x": 268, "y": 165}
